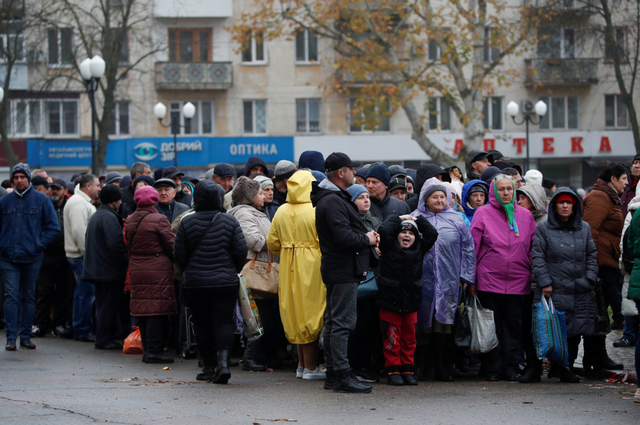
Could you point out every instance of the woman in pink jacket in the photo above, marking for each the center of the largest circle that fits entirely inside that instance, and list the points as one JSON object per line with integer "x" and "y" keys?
{"x": 503, "y": 233}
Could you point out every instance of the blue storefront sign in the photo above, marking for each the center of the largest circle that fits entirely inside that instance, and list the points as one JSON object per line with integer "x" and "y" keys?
{"x": 159, "y": 151}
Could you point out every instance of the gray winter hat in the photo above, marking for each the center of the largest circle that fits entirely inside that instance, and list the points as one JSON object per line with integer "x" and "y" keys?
{"x": 112, "y": 177}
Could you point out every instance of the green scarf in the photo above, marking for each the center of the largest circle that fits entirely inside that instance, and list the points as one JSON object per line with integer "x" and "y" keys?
{"x": 509, "y": 208}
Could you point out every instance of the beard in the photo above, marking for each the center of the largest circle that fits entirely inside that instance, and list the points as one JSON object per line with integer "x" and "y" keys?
{"x": 55, "y": 198}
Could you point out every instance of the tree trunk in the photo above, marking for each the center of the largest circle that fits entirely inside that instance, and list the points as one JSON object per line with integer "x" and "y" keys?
{"x": 12, "y": 159}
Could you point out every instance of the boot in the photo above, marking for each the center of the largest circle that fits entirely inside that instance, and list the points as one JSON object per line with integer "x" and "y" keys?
{"x": 330, "y": 380}
{"x": 555, "y": 371}
{"x": 158, "y": 358}
{"x": 566, "y": 375}
{"x": 407, "y": 375}
{"x": 346, "y": 382}
{"x": 595, "y": 355}
{"x": 223, "y": 373}
{"x": 420, "y": 361}
{"x": 532, "y": 373}
{"x": 394, "y": 377}
{"x": 208, "y": 370}
{"x": 442, "y": 373}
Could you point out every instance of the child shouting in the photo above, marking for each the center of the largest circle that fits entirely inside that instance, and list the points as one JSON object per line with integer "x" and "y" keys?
{"x": 404, "y": 241}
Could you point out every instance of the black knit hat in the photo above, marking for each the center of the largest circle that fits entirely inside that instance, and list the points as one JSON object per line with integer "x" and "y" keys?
{"x": 110, "y": 193}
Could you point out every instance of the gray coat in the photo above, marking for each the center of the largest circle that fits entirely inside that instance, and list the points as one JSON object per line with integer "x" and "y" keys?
{"x": 565, "y": 257}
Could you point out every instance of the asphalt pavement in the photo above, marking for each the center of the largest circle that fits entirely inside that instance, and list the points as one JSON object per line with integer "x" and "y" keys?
{"x": 68, "y": 382}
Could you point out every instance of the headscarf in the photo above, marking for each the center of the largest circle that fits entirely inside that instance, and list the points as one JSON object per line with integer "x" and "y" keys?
{"x": 509, "y": 208}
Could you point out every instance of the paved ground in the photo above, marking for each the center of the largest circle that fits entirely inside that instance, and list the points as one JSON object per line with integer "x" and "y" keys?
{"x": 67, "y": 382}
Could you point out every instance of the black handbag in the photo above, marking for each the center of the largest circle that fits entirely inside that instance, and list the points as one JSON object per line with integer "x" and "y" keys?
{"x": 462, "y": 325}
{"x": 602, "y": 325}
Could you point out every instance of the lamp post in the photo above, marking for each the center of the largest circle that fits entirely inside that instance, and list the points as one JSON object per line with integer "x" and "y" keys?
{"x": 188, "y": 110}
{"x": 91, "y": 71}
{"x": 541, "y": 111}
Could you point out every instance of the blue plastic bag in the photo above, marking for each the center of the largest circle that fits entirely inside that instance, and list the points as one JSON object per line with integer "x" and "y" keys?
{"x": 368, "y": 286}
{"x": 549, "y": 329}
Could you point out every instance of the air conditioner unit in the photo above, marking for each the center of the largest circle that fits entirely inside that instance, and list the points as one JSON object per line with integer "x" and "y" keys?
{"x": 528, "y": 107}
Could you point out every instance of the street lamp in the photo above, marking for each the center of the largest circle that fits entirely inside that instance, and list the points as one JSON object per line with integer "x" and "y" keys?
{"x": 91, "y": 71}
{"x": 188, "y": 110}
{"x": 541, "y": 111}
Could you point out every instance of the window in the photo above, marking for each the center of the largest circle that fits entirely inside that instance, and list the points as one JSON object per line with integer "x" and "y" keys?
{"x": 620, "y": 43}
{"x": 616, "y": 114}
{"x": 124, "y": 51}
{"x": 306, "y": 46}
{"x": 439, "y": 113}
{"x": 255, "y": 52}
{"x": 562, "y": 112}
{"x": 190, "y": 45}
{"x": 255, "y": 116}
{"x": 11, "y": 45}
{"x": 492, "y": 112}
{"x": 61, "y": 117}
{"x": 202, "y": 121}
{"x": 435, "y": 52}
{"x": 491, "y": 51}
{"x": 120, "y": 119}
{"x": 27, "y": 118}
{"x": 60, "y": 46}
{"x": 368, "y": 110}
{"x": 557, "y": 43}
{"x": 308, "y": 115}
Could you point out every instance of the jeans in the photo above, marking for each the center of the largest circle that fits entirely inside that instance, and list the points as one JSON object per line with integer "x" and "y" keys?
{"x": 19, "y": 296}
{"x": 631, "y": 328}
{"x": 340, "y": 320}
{"x": 83, "y": 298}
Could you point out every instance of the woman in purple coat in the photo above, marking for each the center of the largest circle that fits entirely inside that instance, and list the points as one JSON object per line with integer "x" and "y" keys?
{"x": 503, "y": 233}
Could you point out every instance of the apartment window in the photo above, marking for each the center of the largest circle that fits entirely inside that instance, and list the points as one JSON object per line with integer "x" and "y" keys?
{"x": 255, "y": 116}
{"x": 557, "y": 43}
{"x": 434, "y": 50}
{"x": 439, "y": 114}
{"x": 620, "y": 44}
{"x": 308, "y": 115}
{"x": 190, "y": 45}
{"x": 25, "y": 120}
{"x": 254, "y": 53}
{"x": 616, "y": 114}
{"x": 61, "y": 117}
{"x": 120, "y": 119}
{"x": 60, "y": 46}
{"x": 563, "y": 112}
{"x": 368, "y": 111}
{"x": 124, "y": 50}
{"x": 492, "y": 112}
{"x": 491, "y": 51}
{"x": 202, "y": 121}
{"x": 306, "y": 46}
{"x": 11, "y": 45}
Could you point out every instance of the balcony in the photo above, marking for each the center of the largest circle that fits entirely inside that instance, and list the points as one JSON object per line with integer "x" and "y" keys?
{"x": 565, "y": 8}
{"x": 194, "y": 75}
{"x": 561, "y": 72}
{"x": 19, "y": 76}
{"x": 193, "y": 9}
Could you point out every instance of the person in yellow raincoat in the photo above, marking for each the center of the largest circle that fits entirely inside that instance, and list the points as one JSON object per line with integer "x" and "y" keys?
{"x": 302, "y": 294}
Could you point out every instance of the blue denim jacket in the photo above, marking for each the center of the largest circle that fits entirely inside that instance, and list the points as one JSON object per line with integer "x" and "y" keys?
{"x": 28, "y": 223}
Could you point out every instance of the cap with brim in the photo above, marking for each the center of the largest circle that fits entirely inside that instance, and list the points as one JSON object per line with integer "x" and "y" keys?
{"x": 40, "y": 181}
{"x": 165, "y": 182}
{"x": 397, "y": 183}
{"x": 497, "y": 155}
{"x": 171, "y": 172}
{"x": 59, "y": 183}
{"x": 224, "y": 170}
{"x": 482, "y": 156}
{"x": 337, "y": 160}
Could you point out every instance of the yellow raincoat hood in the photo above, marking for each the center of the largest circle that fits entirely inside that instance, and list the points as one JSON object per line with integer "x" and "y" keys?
{"x": 299, "y": 187}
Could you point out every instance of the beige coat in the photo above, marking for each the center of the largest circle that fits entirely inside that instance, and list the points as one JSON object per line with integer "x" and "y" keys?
{"x": 77, "y": 213}
{"x": 255, "y": 226}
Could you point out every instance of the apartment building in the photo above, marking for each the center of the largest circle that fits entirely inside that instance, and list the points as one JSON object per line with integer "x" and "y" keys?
{"x": 266, "y": 100}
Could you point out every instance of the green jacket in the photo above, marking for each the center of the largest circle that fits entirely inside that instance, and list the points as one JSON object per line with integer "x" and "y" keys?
{"x": 634, "y": 250}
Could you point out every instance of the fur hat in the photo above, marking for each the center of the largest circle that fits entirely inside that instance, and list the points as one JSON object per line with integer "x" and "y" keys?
{"x": 245, "y": 191}
{"x": 146, "y": 196}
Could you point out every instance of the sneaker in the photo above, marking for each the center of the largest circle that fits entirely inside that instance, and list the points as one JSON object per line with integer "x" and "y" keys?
{"x": 350, "y": 384}
{"x": 11, "y": 345}
{"x": 63, "y": 332}
{"x": 623, "y": 342}
{"x": 37, "y": 332}
{"x": 299, "y": 372}
{"x": 636, "y": 398}
{"x": 313, "y": 375}
{"x": 365, "y": 375}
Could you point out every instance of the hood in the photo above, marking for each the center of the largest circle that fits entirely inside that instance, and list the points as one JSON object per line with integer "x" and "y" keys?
{"x": 422, "y": 208}
{"x": 635, "y": 202}
{"x": 552, "y": 219}
{"x": 466, "y": 189}
{"x": 252, "y": 162}
{"x": 299, "y": 188}
{"x": 208, "y": 195}
{"x": 427, "y": 171}
{"x": 322, "y": 189}
{"x": 538, "y": 198}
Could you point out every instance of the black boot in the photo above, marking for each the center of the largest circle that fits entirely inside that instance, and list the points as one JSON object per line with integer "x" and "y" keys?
{"x": 442, "y": 373}
{"x": 532, "y": 373}
{"x": 346, "y": 382}
{"x": 330, "y": 380}
{"x": 555, "y": 371}
{"x": 595, "y": 355}
{"x": 566, "y": 375}
{"x": 208, "y": 369}
{"x": 421, "y": 363}
{"x": 223, "y": 373}
{"x": 407, "y": 375}
{"x": 394, "y": 377}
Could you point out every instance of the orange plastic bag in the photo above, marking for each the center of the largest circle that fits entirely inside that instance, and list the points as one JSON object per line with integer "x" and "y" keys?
{"x": 133, "y": 343}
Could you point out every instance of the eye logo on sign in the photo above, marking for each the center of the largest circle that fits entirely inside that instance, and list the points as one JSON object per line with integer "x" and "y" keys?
{"x": 145, "y": 151}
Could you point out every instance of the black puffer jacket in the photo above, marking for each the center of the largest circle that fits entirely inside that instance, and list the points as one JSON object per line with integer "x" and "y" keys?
{"x": 388, "y": 207}
{"x": 342, "y": 235}
{"x": 565, "y": 257}
{"x": 400, "y": 283}
{"x": 105, "y": 257}
{"x": 212, "y": 259}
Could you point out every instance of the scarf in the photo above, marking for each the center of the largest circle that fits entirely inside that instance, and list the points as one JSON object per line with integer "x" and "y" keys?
{"x": 509, "y": 208}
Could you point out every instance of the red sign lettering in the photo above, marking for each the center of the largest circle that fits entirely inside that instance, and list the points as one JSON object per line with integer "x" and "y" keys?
{"x": 576, "y": 144}
{"x": 605, "y": 146}
{"x": 489, "y": 144}
{"x": 519, "y": 143}
{"x": 458, "y": 146}
{"x": 547, "y": 145}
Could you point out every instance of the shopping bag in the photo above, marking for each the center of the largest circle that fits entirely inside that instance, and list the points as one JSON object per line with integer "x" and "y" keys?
{"x": 368, "y": 286}
{"x": 483, "y": 328}
{"x": 133, "y": 343}
{"x": 549, "y": 331}
{"x": 462, "y": 324}
{"x": 250, "y": 316}
{"x": 262, "y": 277}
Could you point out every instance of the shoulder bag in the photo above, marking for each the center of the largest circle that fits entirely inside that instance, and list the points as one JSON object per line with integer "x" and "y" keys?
{"x": 262, "y": 277}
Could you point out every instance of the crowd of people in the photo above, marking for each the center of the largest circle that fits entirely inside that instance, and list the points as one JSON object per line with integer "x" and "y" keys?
{"x": 374, "y": 264}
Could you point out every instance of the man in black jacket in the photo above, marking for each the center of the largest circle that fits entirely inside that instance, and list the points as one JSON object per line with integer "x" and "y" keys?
{"x": 345, "y": 246}
{"x": 382, "y": 204}
{"x": 105, "y": 265}
{"x": 174, "y": 173}
{"x": 167, "y": 204}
